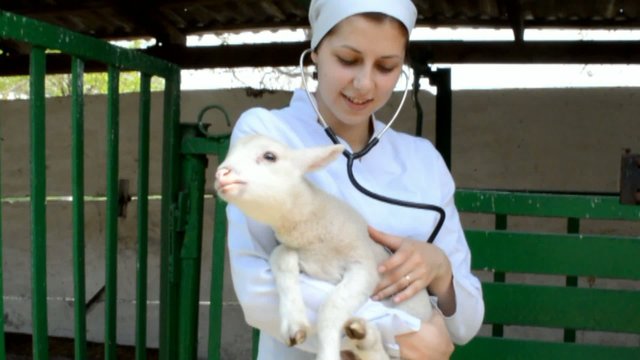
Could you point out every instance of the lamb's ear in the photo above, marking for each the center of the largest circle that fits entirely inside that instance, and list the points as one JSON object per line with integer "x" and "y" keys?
{"x": 312, "y": 159}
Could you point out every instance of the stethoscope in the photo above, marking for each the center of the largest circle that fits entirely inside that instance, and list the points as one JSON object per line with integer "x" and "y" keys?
{"x": 351, "y": 156}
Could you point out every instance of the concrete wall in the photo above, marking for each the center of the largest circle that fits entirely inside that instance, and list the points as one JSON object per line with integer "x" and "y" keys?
{"x": 514, "y": 139}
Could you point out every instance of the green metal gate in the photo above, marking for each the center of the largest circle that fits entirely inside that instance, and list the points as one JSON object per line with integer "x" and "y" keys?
{"x": 44, "y": 38}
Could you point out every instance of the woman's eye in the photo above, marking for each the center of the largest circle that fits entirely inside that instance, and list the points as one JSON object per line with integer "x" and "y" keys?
{"x": 346, "y": 61}
{"x": 269, "y": 156}
{"x": 386, "y": 69}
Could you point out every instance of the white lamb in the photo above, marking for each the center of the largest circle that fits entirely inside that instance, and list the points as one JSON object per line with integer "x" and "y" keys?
{"x": 319, "y": 235}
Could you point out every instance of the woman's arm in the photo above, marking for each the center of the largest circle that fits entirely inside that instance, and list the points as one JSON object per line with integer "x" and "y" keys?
{"x": 431, "y": 342}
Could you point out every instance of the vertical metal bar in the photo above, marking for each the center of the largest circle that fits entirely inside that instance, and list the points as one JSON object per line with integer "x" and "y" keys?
{"x": 443, "y": 114}
{"x": 190, "y": 252}
{"x": 168, "y": 258}
{"x": 255, "y": 340}
{"x": 497, "y": 330}
{"x": 38, "y": 205}
{"x": 573, "y": 227}
{"x": 2, "y": 342}
{"x": 217, "y": 271}
{"x": 417, "y": 76}
{"x": 143, "y": 216}
{"x": 111, "y": 232}
{"x": 77, "y": 178}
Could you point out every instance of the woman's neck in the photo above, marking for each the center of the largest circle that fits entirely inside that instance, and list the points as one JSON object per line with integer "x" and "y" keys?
{"x": 357, "y": 136}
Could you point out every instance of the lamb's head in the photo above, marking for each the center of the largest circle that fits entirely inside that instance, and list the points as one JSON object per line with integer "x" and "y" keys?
{"x": 260, "y": 175}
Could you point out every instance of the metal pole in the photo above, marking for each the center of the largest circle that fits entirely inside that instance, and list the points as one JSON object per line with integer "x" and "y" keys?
{"x": 111, "y": 232}
{"x": 77, "y": 178}
{"x": 143, "y": 216}
{"x": 38, "y": 205}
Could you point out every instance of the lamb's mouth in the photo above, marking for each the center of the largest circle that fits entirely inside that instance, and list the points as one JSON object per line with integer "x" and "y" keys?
{"x": 227, "y": 187}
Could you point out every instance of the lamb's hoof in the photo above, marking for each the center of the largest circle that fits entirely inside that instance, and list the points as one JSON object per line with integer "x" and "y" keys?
{"x": 348, "y": 355}
{"x": 356, "y": 329}
{"x": 298, "y": 338}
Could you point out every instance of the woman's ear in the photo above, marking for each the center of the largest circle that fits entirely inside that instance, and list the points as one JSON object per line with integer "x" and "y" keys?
{"x": 314, "y": 56}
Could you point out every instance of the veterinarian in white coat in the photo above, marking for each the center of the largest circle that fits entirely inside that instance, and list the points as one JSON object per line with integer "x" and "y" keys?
{"x": 359, "y": 56}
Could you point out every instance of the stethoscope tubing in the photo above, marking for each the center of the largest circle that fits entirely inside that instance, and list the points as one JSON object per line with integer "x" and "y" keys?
{"x": 351, "y": 157}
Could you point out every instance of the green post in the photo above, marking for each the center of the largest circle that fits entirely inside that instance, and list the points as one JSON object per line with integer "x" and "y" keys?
{"x": 77, "y": 178}
{"x": 143, "y": 216}
{"x": 2, "y": 342}
{"x": 255, "y": 342}
{"x": 499, "y": 277}
{"x": 573, "y": 227}
{"x": 38, "y": 205}
{"x": 111, "y": 231}
{"x": 194, "y": 166}
{"x": 217, "y": 269}
{"x": 168, "y": 256}
{"x": 444, "y": 100}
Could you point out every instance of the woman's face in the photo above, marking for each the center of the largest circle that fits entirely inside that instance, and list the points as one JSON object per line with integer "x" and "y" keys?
{"x": 359, "y": 63}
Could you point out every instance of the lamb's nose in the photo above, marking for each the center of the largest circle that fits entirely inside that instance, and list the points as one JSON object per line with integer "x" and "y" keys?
{"x": 222, "y": 172}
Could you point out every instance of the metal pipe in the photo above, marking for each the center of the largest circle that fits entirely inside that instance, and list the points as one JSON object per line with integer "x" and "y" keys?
{"x": 168, "y": 258}
{"x": 77, "y": 178}
{"x": 143, "y": 216}
{"x": 38, "y": 205}
{"x": 217, "y": 268}
{"x": 190, "y": 252}
{"x": 111, "y": 231}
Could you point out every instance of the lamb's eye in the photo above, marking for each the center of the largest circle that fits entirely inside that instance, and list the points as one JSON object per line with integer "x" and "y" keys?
{"x": 269, "y": 156}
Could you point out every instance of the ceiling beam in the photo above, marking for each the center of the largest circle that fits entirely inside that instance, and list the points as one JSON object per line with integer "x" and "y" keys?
{"x": 516, "y": 19}
{"x": 145, "y": 15}
{"x": 431, "y": 52}
{"x": 455, "y": 52}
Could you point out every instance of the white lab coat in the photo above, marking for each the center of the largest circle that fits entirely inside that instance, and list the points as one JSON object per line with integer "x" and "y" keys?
{"x": 399, "y": 166}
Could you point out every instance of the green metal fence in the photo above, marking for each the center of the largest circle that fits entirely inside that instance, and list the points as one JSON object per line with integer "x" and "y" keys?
{"x": 42, "y": 38}
{"x": 578, "y": 246}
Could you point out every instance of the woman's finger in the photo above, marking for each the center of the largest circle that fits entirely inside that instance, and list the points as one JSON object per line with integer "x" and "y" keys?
{"x": 407, "y": 292}
{"x": 392, "y": 288}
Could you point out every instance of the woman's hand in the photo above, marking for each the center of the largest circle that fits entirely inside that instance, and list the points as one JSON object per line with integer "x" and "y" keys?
{"x": 413, "y": 267}
{"x": 431, "y": 342}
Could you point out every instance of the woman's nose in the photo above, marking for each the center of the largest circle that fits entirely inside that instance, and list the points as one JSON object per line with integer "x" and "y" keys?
{"x": 363, "y": 79}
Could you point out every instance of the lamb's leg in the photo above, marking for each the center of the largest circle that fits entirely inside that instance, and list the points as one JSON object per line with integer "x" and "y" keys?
{"x": 294, "y": 325}
{"x": 365, "y": 340}
{"x": 349, "y": 294}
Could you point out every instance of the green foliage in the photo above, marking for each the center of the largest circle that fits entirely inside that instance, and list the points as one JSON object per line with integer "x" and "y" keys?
{"x": 17, "y": 87}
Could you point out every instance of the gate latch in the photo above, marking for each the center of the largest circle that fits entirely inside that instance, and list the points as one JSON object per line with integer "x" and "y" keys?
{"x": 630, "y": 178}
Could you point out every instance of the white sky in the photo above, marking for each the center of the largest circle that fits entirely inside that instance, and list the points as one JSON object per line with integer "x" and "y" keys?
{"x": 464, "y": 76}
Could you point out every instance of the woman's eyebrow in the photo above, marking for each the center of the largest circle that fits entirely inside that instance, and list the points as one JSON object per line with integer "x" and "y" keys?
{"x": 391, "y": 56}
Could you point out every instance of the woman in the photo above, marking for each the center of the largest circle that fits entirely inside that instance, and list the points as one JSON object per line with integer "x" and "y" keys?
{"x": 359, "y": 48}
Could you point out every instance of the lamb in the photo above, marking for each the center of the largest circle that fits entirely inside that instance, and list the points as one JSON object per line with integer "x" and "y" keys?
{"x": 319, "y": 235}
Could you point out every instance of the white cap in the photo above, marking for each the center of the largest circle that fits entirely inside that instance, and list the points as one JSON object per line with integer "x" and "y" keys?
{"x": 325, "y": 14}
